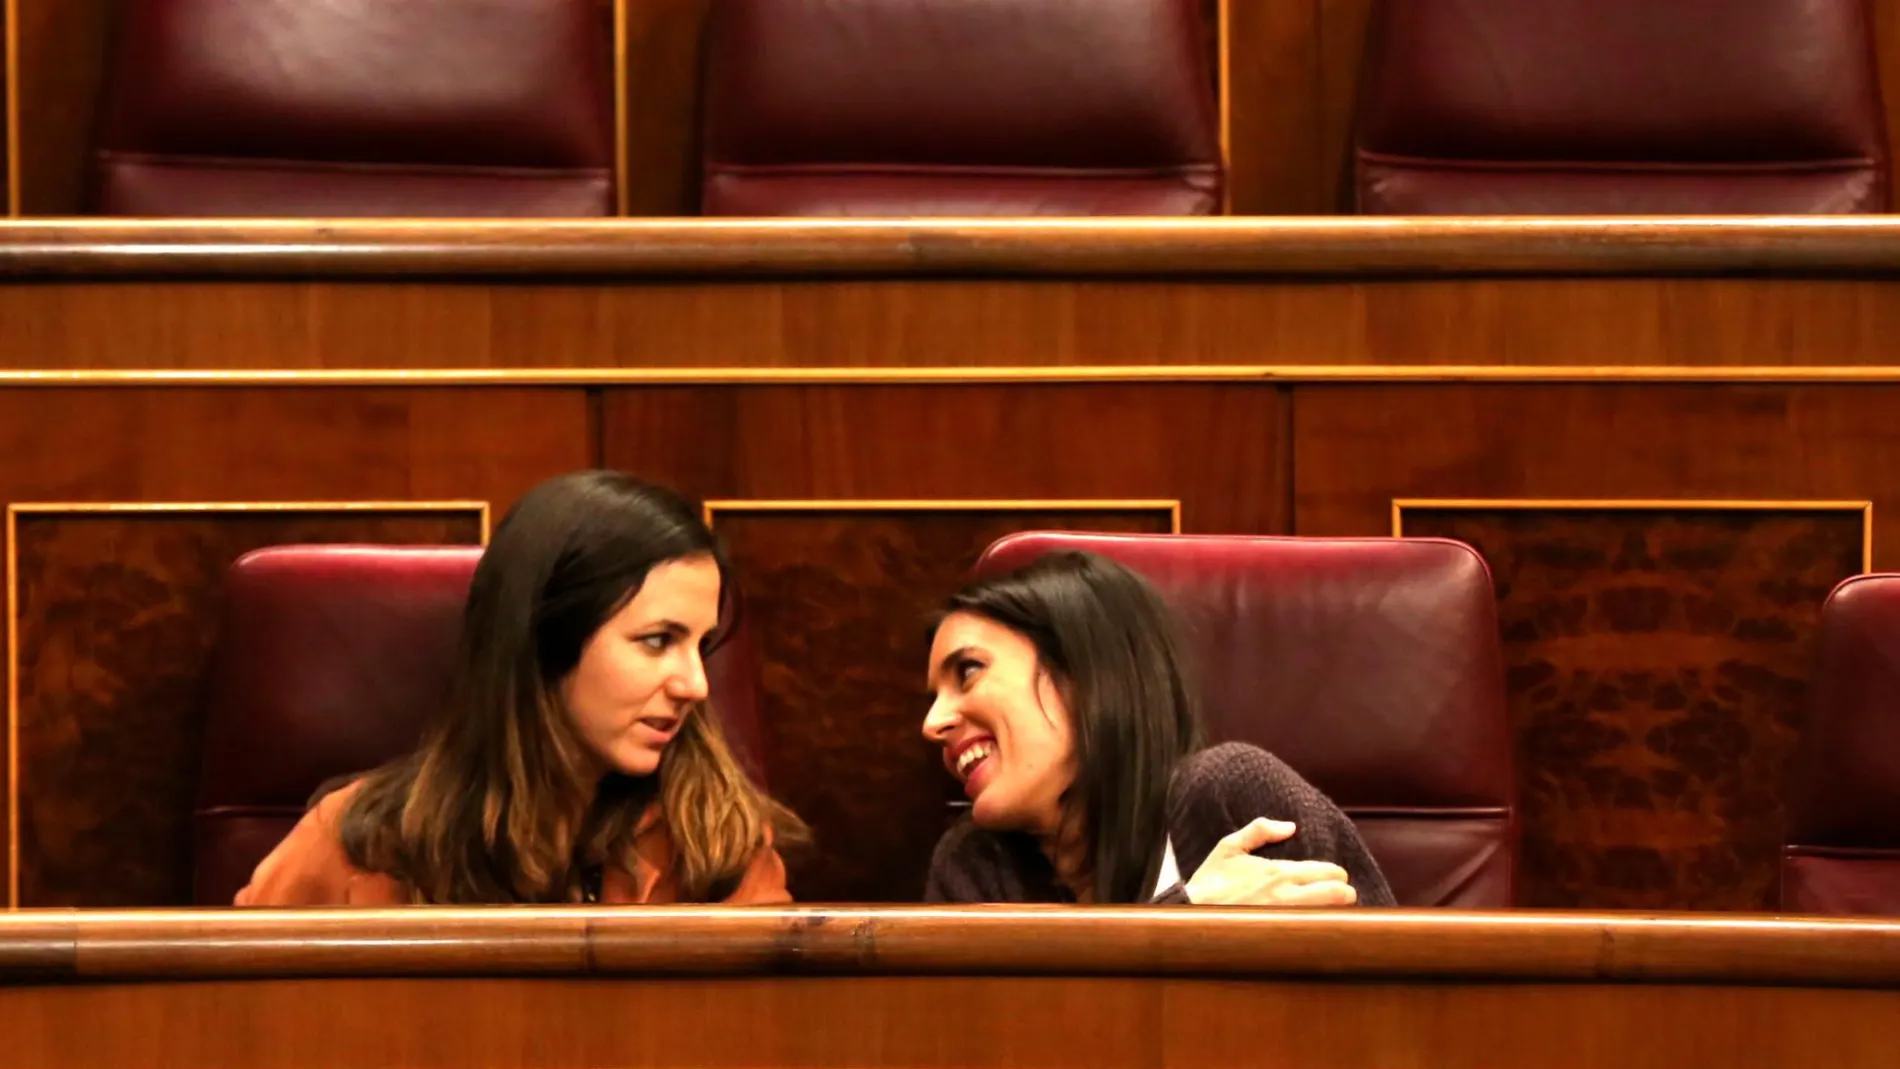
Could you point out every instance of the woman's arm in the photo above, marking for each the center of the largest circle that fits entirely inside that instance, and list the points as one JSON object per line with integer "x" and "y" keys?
{"x": 1225, "y": 788}
{"x": 309, "y": 868}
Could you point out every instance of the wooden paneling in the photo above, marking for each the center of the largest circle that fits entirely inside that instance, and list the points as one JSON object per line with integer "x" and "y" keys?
{"x": 1361, "y": 447}
{"x": 1656, "y": 664}
{"x": 1216, "y": 449}
{"x": 1523, "y": 323}
{"x": 265, "y": 444}
{"x": 664, "y": 57}
{"x": 117, "y": 618}
{"x": 925, "y": 1023}
{"x": 1273, "y": 123}
{"x": 343, "y": 444}
{"x": 820, "y": 988}
{"x": 665, "y": 943}
{"x": 1341, "y": 44}
{"x": 1886, "y": 14}
{"x": 63, "y": 46}
{"x": 1187, "y": 251}
{"x": 7, "y": 207}
{"x": 839, "y": 600}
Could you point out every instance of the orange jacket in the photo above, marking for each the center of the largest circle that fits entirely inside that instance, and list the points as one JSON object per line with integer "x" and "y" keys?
{"x": 310, "y": 868}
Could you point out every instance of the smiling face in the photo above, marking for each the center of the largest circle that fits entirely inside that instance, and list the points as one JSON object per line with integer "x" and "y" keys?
{"x": 640, "y": 673}
{"x": 1002, "y": 723}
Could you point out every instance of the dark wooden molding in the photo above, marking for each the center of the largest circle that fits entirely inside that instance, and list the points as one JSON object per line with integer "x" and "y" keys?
{"x": 1124, "y": 248}
{"x": 1347, "y": 945}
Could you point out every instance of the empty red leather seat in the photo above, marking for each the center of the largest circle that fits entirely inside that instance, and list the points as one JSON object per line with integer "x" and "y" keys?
{"x": 960, "y": 107}
{"x": 1371, "y": 666}
{"x": 1608, "y": 107}
{"x": 359, "y": 108}
{"x": 332, "y": 660}
{"x": 1843, "y": 853}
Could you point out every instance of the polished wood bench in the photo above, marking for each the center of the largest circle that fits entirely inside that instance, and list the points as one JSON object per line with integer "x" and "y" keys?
{"x": 962, "y": 988}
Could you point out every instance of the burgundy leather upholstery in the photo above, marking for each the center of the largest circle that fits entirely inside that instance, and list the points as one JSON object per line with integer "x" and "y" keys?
{"x": 960, "y": 107}
{"x": 1608, "y": 107}
{"x": 360, "y": 108}
{"x": 1843, "y": 855}
{"x": 331, "y": 662}
{"x": 1371, "y": 666}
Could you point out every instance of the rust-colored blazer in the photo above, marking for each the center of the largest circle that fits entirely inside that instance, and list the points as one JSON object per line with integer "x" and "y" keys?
{"x": 309, "y": 868}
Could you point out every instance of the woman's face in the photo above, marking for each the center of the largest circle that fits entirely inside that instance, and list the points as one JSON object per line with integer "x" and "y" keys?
{"x": 1002, "y": 723}
{"x": 640, "y": 673}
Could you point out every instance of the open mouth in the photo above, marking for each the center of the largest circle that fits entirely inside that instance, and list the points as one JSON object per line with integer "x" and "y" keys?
{"x": 971, "y": 757}
{"x": 660, "y": 725}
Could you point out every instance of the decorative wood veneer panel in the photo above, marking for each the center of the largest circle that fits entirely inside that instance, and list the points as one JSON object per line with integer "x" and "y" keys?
{"x": 840, "y": 601}
{"x": 62, "y": 50}
{"x": 118, "y": 618}
{"x": 1656, "y": 667}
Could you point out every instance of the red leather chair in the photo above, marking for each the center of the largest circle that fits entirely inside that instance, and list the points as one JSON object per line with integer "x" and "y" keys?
{"x": 1609, "y": 107}
{"x": 960, "y": 107}
{"x": 1370, "y": 665}
{"x": 359, "y": 108}
{"x": 1843, "y": 852}
{"x": 331, "y": 662}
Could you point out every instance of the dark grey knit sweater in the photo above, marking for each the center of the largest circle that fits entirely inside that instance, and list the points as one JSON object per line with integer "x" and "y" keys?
{"x": 1211, "y": 795}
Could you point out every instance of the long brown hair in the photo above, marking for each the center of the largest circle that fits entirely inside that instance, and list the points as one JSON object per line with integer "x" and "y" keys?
{"x": 1113, "y": 648}
{"x": 494, "y": 807}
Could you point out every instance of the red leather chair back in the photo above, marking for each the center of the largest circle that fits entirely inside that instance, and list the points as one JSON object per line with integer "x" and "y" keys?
{"x": 1843, "y": 853}
{"x": 332, "y": 660}
{"x": 359, "y": 108}
{"x": 1371, "y": 666}
{"x": 960, "y": 107}
{"x": 1608, "y": 107}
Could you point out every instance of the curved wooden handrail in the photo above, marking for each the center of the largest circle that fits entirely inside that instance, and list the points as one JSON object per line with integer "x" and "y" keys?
{"x": 1362, "y": 944}
{"x": 1314, "y": 247}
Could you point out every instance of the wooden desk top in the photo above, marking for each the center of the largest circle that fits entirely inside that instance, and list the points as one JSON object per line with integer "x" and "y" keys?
{"x": 1338, "y": 247}
{"x": 1447, "y": 945}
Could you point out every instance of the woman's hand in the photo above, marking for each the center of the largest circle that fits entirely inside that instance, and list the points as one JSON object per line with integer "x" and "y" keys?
{"x": 1232, "y": 876}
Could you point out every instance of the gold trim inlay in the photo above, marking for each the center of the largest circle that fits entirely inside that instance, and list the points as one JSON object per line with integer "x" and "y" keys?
{"x": 12, "y": 34}
{"x": 1224, "y": 49}
{"x": 1512, "y": 504}
{"x": 987, "y": 375}
{"x": 621, "y": 146}
{"x": 13, "y": 715}
{"x": 81, "y": 508}
{"x": 1172, "y": 506}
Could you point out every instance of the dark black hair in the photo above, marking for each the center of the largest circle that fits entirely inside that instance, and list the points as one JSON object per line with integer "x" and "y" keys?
{"x": 1113, "y": 647}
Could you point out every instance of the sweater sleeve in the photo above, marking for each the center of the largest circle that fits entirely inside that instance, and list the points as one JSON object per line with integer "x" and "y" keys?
{"x": 958, "y": 866}
{"x": 1219, "y": 790}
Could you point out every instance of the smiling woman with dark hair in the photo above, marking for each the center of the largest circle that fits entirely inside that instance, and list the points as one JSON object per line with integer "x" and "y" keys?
{"x": 576, "y": 759}
{"x": 1063, "y": 706}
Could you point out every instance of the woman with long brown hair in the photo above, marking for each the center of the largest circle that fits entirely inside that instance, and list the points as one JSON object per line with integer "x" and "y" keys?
{"x": 576, "y": 759}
